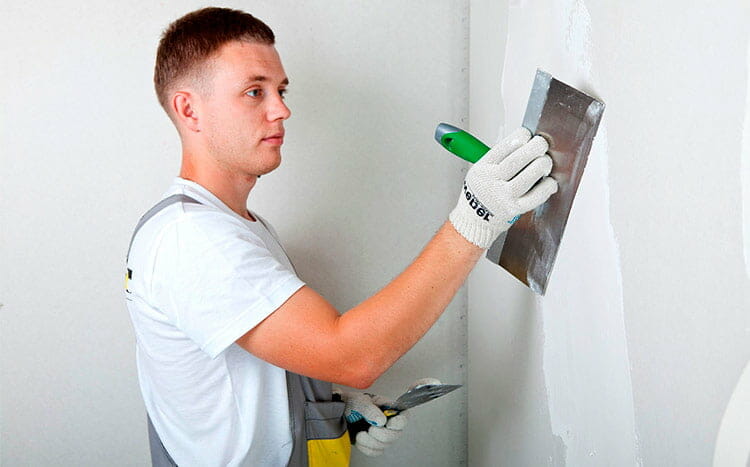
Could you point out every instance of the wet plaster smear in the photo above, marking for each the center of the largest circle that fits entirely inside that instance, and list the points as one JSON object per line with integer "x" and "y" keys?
{"x": 585, "y": 356}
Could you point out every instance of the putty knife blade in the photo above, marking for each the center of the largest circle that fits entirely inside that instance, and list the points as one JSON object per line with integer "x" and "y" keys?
{"x": 568, "y": 119}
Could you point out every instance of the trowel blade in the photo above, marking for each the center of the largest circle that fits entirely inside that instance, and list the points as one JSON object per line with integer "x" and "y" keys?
{"x": 568, "y": 119}
{"x": 420, "y": 395}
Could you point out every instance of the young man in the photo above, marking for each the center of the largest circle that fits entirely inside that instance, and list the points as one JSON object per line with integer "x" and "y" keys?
{"x": 224, "y": 326}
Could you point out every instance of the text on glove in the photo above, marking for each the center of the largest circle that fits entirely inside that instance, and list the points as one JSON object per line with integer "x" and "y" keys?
{"x": 479, "y": 208}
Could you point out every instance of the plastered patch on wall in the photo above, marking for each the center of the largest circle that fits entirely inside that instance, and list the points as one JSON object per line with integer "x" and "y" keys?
{"x": 586, "y": 364}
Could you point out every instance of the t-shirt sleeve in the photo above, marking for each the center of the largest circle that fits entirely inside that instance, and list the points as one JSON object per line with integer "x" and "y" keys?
{"x": 215, "y": 279}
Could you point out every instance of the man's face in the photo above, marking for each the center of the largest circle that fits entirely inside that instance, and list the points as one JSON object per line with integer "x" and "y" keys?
{"x": 243, "y": 113}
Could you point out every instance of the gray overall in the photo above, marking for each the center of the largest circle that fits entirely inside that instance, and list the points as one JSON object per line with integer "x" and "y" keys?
{"x": 313, "y": 412}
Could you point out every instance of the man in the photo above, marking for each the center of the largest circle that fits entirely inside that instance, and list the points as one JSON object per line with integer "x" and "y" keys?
{"x": 224, "y": 326}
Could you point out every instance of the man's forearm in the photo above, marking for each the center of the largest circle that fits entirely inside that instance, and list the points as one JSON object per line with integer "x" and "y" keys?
{"x": 390, "y": 322}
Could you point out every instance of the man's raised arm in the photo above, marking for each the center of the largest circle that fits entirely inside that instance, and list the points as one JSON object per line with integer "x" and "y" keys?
{"x": 307, "y": 335}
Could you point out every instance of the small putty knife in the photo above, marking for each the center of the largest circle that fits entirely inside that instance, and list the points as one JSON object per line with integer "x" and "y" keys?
{"x": 568, "y": 119}
{"x": 411, "y": 398}
{"x": 417, "y": 396}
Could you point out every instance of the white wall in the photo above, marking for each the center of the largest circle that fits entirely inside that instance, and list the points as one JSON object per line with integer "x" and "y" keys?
{"x": 86, "y": 150}
{"x": 634, "y": 353}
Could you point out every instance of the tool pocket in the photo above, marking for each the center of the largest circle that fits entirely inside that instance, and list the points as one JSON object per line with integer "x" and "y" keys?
{"x": 327, "y": 439}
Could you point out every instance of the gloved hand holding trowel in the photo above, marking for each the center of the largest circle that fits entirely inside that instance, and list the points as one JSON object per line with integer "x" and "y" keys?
{"x": 501, "y": 186}
{"x": 374, "y": 422}
{"x": 570, "y": 119}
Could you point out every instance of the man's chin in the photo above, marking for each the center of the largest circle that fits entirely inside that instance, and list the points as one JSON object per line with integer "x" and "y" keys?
{"x": 273, "y": 165}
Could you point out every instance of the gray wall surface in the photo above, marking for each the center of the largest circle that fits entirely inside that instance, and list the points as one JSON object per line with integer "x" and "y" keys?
{"x": 635, "y": 355}
{"x": 85, "y": 150}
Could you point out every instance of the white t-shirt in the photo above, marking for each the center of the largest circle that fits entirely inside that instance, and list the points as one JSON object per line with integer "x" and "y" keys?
{"x": 202, "y": 277}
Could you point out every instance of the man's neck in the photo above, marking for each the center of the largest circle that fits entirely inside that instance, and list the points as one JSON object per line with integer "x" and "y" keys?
{"x": 231, "y": 188}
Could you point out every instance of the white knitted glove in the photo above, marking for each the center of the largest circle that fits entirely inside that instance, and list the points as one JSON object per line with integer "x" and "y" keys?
{"x": 498, "y": 187}
{"x": 383, "y": 431}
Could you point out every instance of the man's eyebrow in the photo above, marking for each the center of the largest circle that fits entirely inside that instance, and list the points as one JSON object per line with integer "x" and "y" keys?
{"x": 260, "y": 78}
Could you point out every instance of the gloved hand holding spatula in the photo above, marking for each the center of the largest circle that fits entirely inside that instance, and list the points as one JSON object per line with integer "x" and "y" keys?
{"x": 374, "y": 422}
{"x": 501, "y": 186}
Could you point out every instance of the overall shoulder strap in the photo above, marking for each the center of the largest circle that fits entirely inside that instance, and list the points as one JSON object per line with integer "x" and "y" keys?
{"x": 296, "y": 395}
{"x": 271, "y": 232}
{"x": 155, "y": 210}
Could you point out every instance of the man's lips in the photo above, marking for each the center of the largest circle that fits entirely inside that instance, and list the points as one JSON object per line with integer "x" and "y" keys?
{"x": 277, "y": 138}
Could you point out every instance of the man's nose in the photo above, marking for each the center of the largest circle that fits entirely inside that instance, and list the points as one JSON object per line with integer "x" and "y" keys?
{"x": 278, "y": 110}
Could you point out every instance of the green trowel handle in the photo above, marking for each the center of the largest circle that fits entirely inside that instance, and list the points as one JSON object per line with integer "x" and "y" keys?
{"x": 460, "y": 142}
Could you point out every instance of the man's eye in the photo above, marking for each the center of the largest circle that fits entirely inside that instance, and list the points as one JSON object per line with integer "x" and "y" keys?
{"x": 283, "y": 92}
{"x": 253, "y": 92}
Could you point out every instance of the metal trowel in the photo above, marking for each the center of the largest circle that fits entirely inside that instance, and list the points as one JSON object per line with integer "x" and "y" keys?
{"x": 568, "y": 119}
{"x": 417, "y": 396}
{"x": 411, "y": 398}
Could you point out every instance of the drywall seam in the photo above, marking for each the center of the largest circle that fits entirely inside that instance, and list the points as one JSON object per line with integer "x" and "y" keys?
{"x": 586, "y": 364}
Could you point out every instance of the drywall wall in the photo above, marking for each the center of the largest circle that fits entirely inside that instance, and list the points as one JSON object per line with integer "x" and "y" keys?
{"x": 86, "y": 150}
{"x": 632, "y": 356}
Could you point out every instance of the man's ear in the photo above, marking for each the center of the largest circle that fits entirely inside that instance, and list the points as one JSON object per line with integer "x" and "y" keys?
{"x": 184, "y": 110}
